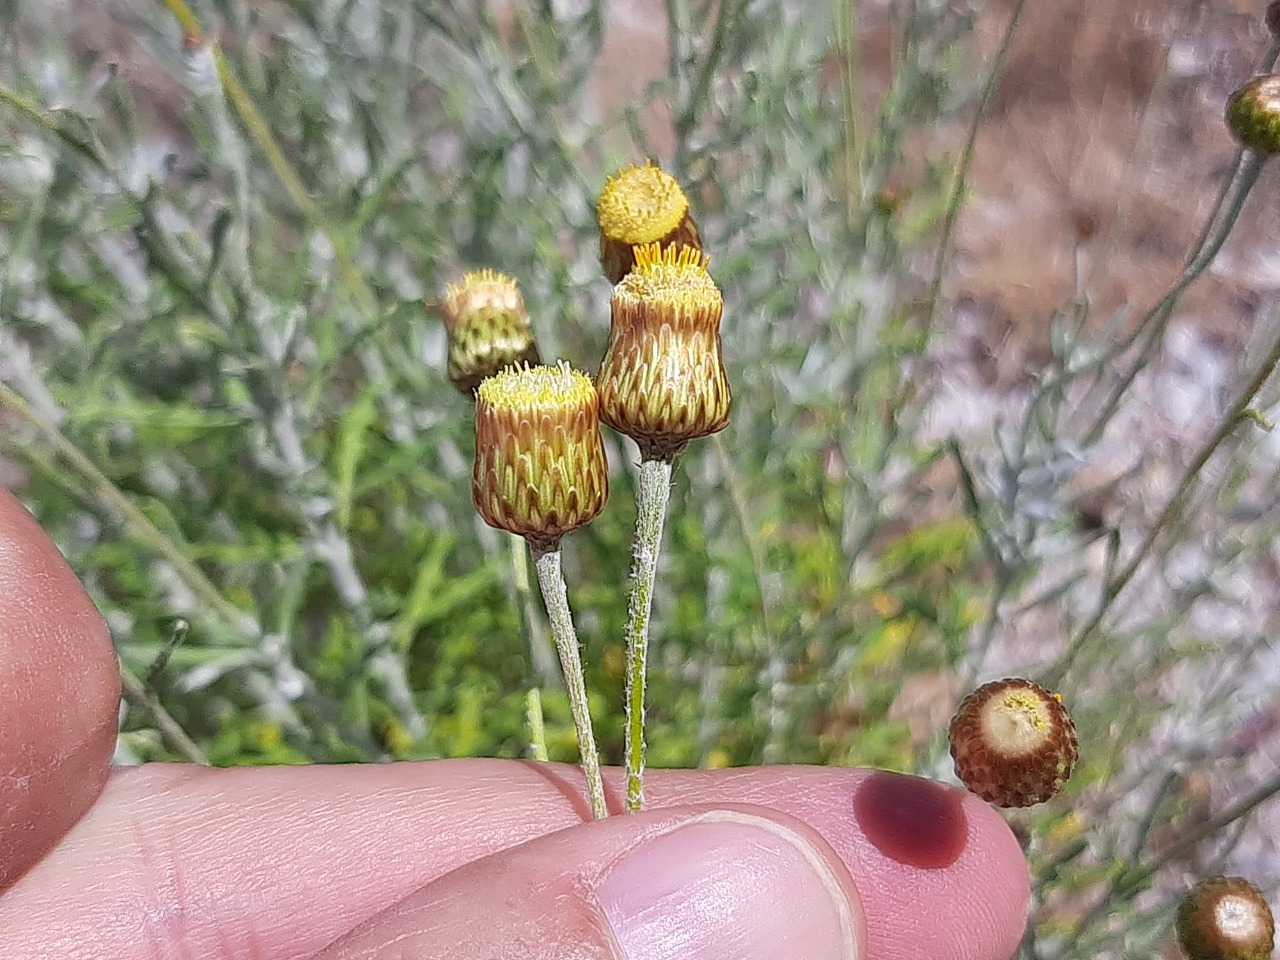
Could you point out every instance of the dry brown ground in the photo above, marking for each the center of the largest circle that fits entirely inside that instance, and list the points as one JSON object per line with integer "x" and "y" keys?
{"x": 1104, "y": 149}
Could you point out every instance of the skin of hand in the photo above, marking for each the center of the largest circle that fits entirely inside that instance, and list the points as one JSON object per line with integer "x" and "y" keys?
{"x": 465, "y": 859}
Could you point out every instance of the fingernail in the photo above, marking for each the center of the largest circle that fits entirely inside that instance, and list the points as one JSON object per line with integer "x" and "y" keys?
{"x": 729, "y": 885}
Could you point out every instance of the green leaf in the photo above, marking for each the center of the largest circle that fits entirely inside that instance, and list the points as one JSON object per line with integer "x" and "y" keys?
{"x": 353, "y": 432}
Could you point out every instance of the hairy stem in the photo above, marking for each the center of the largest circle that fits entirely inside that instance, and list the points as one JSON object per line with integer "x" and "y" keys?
{"x": 556, "y": 598}
{"x": 651, "y": 512}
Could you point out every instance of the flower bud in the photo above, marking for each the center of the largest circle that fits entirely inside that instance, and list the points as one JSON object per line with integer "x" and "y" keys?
{"x": 641, "y": 205}
{"x": 662, "y": 381}
{"x": 1225, "y": 918}
{"x": 540, "y": 468}
{"x": 488, "y": 328}
{"x": 1013, "y": 743}
{"x": 1253, "y": 114}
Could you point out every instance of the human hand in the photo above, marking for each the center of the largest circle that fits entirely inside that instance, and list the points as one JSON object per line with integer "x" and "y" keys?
{"x": 467, "y": 859}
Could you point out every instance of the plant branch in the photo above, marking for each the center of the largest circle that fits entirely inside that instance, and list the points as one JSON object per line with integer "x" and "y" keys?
{"x": 652, "y": 498}
{"x": 556, "y": 597}
{"x": 1115, "y": 585}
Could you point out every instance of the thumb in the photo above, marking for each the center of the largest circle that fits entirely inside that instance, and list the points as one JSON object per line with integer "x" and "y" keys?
{"x": 59, "y": 692}
{"x": 731, "y": 883}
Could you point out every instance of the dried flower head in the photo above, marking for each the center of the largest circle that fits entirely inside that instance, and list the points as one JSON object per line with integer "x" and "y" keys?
{"x": 488, "y": 328}
{"x": 1253, "y": 114}
{"x": 1225, "y": 918}
{"x": 641, "y": 205}
{"x": 540, "y": 468}
{"x": 1013, "y": 743}
{"x": 662, "y": 381}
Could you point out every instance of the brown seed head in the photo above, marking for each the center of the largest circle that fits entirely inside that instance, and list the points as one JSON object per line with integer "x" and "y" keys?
{"x": 641, "y": 205}
{"x": 488, "y": 328}
{"x": 1225, "y": 918}
{"x": 1253, "y": 114}
{"x": 540, "y": 468}
{"x": 662, "y": 381}
{"x": 1013, "y": 743}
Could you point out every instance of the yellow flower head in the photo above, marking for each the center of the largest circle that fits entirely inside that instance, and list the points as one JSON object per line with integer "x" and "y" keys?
{"x": 641, "y": 205}
{"x": 540, "y": 468}
{"x": 488, "y": 328}
{"x": 662, "y": 381}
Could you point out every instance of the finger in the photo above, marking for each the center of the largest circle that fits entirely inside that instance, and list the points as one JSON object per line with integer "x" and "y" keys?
{"x": 61, "y": 686}
{"x": 276, "y": 862}
{"x": 740, "y": 882}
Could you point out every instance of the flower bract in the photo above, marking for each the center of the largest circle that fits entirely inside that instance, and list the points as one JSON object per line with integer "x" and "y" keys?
{"x": 540, "y": 468}
{"x": 662, "y": 381}
{"x": 488, "y": 328}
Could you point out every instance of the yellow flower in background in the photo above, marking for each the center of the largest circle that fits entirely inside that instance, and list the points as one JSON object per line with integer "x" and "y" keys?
{"x": 540, "y": 468}
{"x": 488, "y": 328}
{"x": 641, "y": 205}
{"x": 662, "y": 380}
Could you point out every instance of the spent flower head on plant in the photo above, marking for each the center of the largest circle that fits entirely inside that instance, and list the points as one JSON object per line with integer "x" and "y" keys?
{"x": 1253, "y": 113}
{"x": 488, "y": 328}
{"x": 662, "y": 380}
{"x": 1013, "y": 743}
{"x": 540, "y": 468}
{"x": 1225, "y": 918}
{"x": 641, "y": 205}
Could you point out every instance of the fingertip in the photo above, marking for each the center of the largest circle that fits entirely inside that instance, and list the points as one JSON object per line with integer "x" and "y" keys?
{"x": 913, "y": 844}
{"x": 61, "y": 681}
{"x": 948, "y": 848}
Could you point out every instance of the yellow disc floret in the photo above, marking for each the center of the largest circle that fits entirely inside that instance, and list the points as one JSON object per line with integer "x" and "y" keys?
{"x": 669, "y": 275}
{"x": 538, "y": 390}
{"x": 640, "y": 205}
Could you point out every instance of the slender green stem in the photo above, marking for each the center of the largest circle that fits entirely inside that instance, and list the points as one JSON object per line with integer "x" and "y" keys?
{"x": 956, "y": 199}
{"x": 1238, "y": 414}
{"x": 1155, "y": 321}
{"x": 651, "y": 512}
{"x": 260, "y": 131}
{"x": 139, "y": 694}
{"x": 537, "y": 725}
{"x": 556, "y": 598}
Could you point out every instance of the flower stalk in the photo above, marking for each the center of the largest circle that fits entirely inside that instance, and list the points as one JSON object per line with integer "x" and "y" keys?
{"x": 540, "y": 471}
{"x": 651, "y": 511}
{"x": 662, "y": 382}
{"x": 555, "y": 596}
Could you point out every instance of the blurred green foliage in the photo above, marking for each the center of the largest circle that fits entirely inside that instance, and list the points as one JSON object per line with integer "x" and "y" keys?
{"x": 230, "y": 406}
